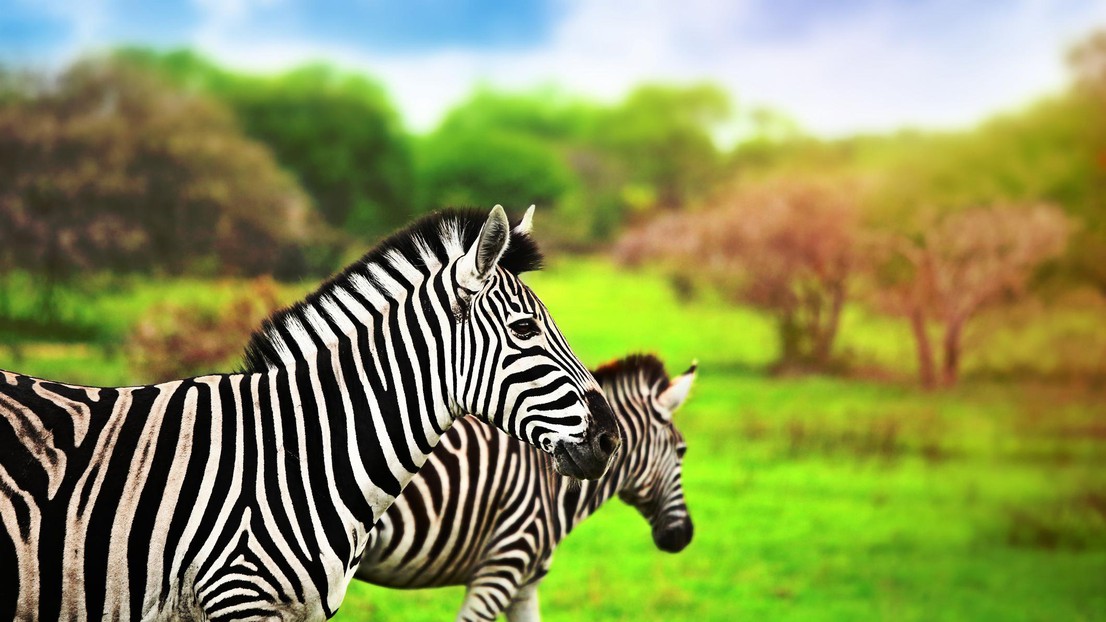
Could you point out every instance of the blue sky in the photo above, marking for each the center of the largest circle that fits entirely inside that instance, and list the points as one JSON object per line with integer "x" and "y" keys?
{"x": 32, "y": 28}
{"x": 836, "y": 66}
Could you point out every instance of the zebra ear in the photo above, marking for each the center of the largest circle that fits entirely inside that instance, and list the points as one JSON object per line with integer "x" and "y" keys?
{"x": 673, "y": 397}
{"x": 526, "y": 225}
{"x": 480, "y": 260}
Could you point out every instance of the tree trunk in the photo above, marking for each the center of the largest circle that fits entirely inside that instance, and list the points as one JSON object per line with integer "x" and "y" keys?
{"x": 926, "y": 369}
{"x": 52, "y": 264}
{"x": 827, "y": 333}
{"x": 790, "y": 340}
{"x": 5, "y": 294}
{"x": 952, "y": 351}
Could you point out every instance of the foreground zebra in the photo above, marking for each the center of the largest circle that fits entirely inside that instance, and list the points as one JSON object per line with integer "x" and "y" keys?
{"x": 488, "y": 511}
{"x": 251, "y": 495}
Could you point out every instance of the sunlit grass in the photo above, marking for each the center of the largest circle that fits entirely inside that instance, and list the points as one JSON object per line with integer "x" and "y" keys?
{"x": 818, "y": 528}
{"x": 607, "y": 313}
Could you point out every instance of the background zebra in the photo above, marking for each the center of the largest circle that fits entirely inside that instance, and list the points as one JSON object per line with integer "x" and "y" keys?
{"x": 251, "y": 495}
{"x": 487, "y": 512}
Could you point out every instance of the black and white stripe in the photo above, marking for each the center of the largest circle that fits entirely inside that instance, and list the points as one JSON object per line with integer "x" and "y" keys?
{"x": 487, "y": 511}
{"x": 251, "y": 495}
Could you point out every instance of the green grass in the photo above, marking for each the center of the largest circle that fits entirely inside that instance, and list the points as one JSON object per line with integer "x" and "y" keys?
{"x": 812, "y": 526}
{"x": 814, "y": 498}
{"x": 607, "y": 313}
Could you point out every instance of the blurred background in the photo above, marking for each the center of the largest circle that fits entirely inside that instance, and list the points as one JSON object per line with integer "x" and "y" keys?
{"x": 879, "y": 225}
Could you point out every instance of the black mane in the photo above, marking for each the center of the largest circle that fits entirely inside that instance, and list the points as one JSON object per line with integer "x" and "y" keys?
{"x": 522, "y": 255}
{"x": 648, "y": 366}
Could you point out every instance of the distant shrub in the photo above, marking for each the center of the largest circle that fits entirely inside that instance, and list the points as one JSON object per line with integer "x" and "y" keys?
{"x": 105, "y": 167}
{"x": 788, "y": 248}
{"x": 1077, "y": 522}
{"x": 887, "y": 437}
{"x": 959, "y": 265}
{"x": 174, "y": 341}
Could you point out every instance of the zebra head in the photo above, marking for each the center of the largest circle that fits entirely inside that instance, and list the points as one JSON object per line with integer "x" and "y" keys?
{"x": 655, "y": 448}
{"x": 514, "y": 367}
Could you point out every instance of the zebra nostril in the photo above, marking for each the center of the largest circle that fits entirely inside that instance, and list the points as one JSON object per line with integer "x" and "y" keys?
{"x": 605, "y": 439}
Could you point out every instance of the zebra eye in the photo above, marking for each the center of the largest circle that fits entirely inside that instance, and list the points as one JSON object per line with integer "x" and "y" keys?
{"x": 524, "y": 328}
{"x": 681, "y": 450}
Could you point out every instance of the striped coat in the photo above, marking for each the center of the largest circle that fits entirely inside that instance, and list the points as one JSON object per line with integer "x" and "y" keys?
{"x": 488, "y": 512}
{"x": 251, "y": 496}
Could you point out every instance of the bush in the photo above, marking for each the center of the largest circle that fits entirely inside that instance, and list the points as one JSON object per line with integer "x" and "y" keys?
{"x": 174, "y": 341}
{"x": 787, "y": 248}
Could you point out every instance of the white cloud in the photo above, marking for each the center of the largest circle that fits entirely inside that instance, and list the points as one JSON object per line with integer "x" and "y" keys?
{"x": 222, "y": 16}
{"x": 883, "y": 68}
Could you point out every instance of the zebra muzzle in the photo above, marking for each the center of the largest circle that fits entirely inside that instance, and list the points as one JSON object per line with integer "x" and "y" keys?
{"x": 673, "y": 536}
{"x": 589, "y": 458}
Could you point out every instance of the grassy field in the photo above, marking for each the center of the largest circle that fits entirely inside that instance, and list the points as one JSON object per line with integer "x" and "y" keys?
{"x": 814, "y": 498}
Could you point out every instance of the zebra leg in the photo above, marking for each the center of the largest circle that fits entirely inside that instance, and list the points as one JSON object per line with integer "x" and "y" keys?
{"x": 483, "y": 602}
{"x": 524, "y": 606}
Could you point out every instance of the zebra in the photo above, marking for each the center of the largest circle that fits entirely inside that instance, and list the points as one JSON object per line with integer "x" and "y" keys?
{"x": 251, "y": 495}
{"x": 487, "y": 512}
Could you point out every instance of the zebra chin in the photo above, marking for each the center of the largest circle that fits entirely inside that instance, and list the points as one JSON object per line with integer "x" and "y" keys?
{"x": 578, "y": 464}
{"x": 589, "y": 458}
{"x": 674, "y": 535}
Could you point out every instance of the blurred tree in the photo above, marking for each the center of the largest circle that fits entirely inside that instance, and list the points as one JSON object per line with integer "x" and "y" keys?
{"x": 544, "y": 113}
{"x": 788, "y": 248}
{"x": 1053, "y": 150}
{"x": 108, "y": 168}
{"x": 173, "y": 341}
{"x": 500, "y": 147}
{"x": 602, "y": 199}
{"x": 654, "y": 149}
{"x": 488, "y": 167}
{"x": 337, "y": 132}
{"x": 766, "y": 137}
{"x": 663, "y": 135}
{"x": 343, "y": 140}
{"x": 957, "y": 265}
{"x": 538, "y": 138}
{"x": 1088, "y": 61}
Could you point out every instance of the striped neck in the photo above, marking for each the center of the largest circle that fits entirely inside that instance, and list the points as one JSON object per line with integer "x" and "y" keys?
{"x": 579, "y": 499}
{"x": 366, "y": 416}
{"x": 366, "y": 367}
{"x": 629, "y": 385}
{"x": 377, "y": 383}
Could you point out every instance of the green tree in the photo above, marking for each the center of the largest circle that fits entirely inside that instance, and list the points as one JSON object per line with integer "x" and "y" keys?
{"x": 663, "y": 137}
{"x": 488, "y": 167}
{"x": 512, "y": 148}
{"x": 343, "y": 140}
{"x": 552, "y": 134}
{"x": 655, "y": 148}
{"x": 547, "y": 114}
{"x": 336, "y": 132}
